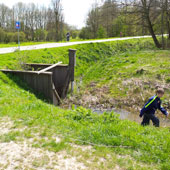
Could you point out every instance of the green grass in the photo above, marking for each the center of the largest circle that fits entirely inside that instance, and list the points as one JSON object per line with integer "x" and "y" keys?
{"x": 107, "y": 64}
{"x": 148, "y": 145}
{"x": 13, "y": 44}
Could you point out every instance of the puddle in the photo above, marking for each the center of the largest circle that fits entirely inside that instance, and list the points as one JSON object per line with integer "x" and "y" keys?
{"x": 164, "y": 122}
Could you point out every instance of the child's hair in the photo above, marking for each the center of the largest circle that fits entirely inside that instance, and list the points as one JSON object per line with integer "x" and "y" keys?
{"x": 160, "y": 91}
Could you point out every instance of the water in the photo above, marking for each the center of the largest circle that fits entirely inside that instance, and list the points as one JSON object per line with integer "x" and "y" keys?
{"x": 164, "y": 122}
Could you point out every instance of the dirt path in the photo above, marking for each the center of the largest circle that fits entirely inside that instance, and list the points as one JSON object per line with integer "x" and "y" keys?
{"x": 53, "y": 45}
{"x": 20, "y": 154}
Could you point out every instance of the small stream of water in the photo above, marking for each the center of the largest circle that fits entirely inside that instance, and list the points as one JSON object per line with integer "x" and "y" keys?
{"x": 164, "y": 122}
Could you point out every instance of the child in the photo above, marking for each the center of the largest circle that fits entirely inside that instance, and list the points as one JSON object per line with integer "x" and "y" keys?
{"x": 148, "y": 111}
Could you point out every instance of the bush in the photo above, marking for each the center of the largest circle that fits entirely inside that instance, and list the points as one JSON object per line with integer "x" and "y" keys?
{"x": 2, "y": 35}
{"x": 40, "y": 35}
{"x": 21, "y": 37}
{"x": 51, "y": 35}
{"x": 9, "y": 37}
{"x": 74, "y": 34}
{"x": 84, "y": 34}
{"x": 168, "y": 80}
{"x": 101, "y": 33}
{"x": 13, "y": 37}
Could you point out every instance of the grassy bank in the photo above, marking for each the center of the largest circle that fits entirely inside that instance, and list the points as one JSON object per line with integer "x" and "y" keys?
{"x": 137, "y": 147}
{"x": 113, "y": 72}
{"x": 14, "y": 44}
{"x": 22, "y": 44}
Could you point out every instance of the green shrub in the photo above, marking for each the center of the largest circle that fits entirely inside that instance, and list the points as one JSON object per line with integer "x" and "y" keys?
{"x": 51, "y": 35}
{"x": 168, "y": 80}
{"x": 9, "y": 37}
{"x": 101, "y": 33}
{"x": 40, "y": 35}
{"x": 84, "y": 34}
{"x": 21, "y": 37}
{"x": 2, "y": 35}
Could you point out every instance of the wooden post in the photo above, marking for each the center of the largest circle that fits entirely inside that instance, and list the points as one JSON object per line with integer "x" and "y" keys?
{"x": 72, "y": 64}
{"x": 48, "y": 68}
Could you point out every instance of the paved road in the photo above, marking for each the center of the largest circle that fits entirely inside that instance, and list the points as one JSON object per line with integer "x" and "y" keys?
{"x": 54, "y": 45}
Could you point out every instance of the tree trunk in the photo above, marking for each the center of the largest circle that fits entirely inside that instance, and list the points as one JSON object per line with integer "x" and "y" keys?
{"x": 32, "y": 33}
{"x": 168, "y": 28}
{"x": 146, "y": 10}
{"x": 162, "y": 26}
{"x": 158, "y": 45}
{"x": 167, "y": 20}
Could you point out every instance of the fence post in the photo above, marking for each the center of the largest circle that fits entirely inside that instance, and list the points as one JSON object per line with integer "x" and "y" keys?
{"x": 72, "y": 64}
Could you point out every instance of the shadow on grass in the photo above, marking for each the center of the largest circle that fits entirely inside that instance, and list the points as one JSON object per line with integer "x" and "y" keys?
{"x": 23, "y": 85}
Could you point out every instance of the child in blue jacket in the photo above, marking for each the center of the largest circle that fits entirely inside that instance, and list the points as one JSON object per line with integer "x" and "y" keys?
{"x": 149, "y": 109}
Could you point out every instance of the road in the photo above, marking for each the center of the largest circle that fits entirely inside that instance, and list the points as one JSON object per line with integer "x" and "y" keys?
{"x": 55, "y": 45}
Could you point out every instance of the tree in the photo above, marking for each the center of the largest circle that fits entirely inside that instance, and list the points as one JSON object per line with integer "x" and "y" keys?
{"x": 59, "y": 19}
{"x": 101, "y": 33}
{"x": 147, "y": 11}
{"x": 85, "y": 33}
{"x": 21, "y": 37}
{"x": 93, "y": 20}
{"x": 34, "y": 18}
{"x": 40, "y": 35}
{"x": 2, "y": 35}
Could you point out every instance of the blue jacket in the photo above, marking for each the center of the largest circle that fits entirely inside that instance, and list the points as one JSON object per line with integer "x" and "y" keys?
{"x": 152, "y": 105}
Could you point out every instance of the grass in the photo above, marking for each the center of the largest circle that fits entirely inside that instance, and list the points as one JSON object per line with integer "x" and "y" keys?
{"x": 82, "y": 124}
{"x": 126, "y": 68}
{"x": 108, "y": 64}
{"x": 13, "y": 44}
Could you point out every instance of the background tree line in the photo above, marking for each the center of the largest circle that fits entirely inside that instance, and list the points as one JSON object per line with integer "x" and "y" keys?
{"x": 38, "y": 23}
{"x": 128, "y": 18}
{"x": 106, "y": 18}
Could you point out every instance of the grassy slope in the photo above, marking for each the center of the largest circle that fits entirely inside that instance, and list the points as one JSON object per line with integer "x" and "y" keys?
{"x": 13, "y": 44}
{"x": 131, "y": 74}
{"x": 22, "y": 44}
{"x": 127, "y": 68}
{"x": 149, "y": 147}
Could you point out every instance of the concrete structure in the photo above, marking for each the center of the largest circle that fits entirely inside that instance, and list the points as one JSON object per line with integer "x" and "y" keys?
{"x": 51, "y": 80}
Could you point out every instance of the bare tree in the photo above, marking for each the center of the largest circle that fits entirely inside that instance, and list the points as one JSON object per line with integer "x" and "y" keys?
{"x": 4, "y": 11}
{"x": 167, "y": 15}
{"x": 34, "y": 20}
{"x": 102, "y": 16}
{"x": 57, "y": 7}
{"x": 148, "y": 10}
{"x": 93, "y": 20}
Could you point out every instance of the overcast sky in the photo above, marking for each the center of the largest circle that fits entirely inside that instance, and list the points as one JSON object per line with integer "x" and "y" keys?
{"x": 75, "y": 11}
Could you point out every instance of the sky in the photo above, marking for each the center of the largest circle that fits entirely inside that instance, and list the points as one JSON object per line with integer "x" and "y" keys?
{"x": 75, "y": 11}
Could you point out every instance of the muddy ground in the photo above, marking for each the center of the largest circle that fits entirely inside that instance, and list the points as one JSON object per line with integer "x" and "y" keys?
{"x": 138, "y": 94}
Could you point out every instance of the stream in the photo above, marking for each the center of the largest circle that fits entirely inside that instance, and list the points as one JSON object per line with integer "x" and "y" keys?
{"x": 164, "y": 122}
